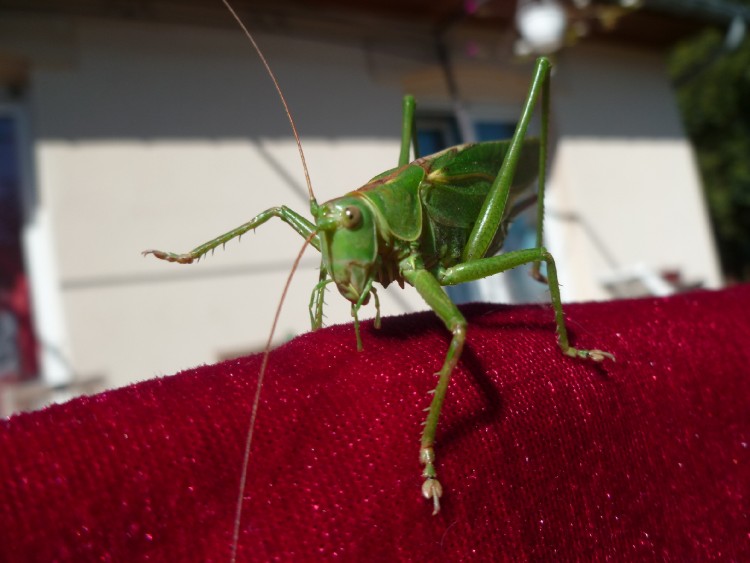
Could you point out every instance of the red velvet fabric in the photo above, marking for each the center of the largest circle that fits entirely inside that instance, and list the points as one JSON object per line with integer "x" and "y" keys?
{"x": 542, "y": 457}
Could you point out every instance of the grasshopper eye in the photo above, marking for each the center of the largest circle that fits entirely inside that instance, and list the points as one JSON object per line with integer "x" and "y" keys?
{"x": 352, "y": 217}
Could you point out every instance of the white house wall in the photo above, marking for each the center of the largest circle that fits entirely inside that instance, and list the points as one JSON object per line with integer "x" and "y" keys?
{"x": 624, "y": 165}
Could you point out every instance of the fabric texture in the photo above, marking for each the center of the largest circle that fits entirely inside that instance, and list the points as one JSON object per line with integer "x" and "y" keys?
{"x": 542, "y": 457}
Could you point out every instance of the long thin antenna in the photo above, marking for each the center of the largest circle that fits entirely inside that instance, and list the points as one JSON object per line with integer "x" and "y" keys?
{"x": 256, "y": 403}
{"x": 281, "y": 95}
{"x": 267, "y": 350}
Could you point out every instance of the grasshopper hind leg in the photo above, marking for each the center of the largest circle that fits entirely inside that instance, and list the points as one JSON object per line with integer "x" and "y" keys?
{"x": 476, "y": 269}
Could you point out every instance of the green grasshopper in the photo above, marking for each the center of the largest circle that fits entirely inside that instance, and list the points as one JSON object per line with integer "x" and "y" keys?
{"x": 434, "y": 222}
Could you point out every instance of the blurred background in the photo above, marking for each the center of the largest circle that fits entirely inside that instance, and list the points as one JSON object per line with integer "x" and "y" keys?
{"x": 132, "y": 125}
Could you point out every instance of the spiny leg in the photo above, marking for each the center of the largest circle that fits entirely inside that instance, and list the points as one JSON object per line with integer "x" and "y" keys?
{"x": 431, "y": 291}
{"x": 317, "y": 298}
{"x": 293, "y": 219}
{"x": 476, "y": 269}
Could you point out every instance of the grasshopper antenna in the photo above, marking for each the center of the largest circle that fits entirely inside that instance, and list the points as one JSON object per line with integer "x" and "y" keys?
{"x": 267, "y": 350}
{"x": 313, "y": 202}
{"x": 256, "y": 402}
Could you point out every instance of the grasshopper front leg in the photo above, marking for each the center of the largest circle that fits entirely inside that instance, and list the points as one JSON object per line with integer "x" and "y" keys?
{"x": 304, "y": 227}
{"x": 317, "y": 298}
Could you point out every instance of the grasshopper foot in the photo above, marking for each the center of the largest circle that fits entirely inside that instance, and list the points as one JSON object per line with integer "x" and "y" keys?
{"x": 593, "y": 355}
{"x": 171, "y": 257}
{"x": 431, "y": 488}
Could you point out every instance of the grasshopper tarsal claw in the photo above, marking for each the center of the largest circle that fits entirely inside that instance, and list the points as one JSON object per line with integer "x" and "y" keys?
{"x": 593, "y": 355}
{"x": 171, "y": 257}
{"x": 432, "y": 489}
{"x": 600, "y": 355}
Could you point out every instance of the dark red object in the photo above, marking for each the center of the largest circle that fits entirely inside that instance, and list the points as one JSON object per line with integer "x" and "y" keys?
{"x": 543, "y": 457}
{"x": 15, "y": 298}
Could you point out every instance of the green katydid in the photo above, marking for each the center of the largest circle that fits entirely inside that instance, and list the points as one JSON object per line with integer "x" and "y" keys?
{"x": 434, "y": 222}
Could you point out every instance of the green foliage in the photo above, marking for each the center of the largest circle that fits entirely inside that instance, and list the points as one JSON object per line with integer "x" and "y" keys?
{"x": 713, "y": 90}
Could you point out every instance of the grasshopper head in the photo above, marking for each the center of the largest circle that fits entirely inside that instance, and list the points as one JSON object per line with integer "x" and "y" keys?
{"x": 349, "y": 244}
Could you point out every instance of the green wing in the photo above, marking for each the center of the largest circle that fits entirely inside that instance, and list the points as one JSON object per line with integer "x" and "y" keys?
{"x": 455, "y": 186}
{"x": 458, "y": 180}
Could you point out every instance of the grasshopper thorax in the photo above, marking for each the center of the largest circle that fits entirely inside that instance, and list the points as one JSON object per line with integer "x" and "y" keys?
{"x": 348, "y": 242}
